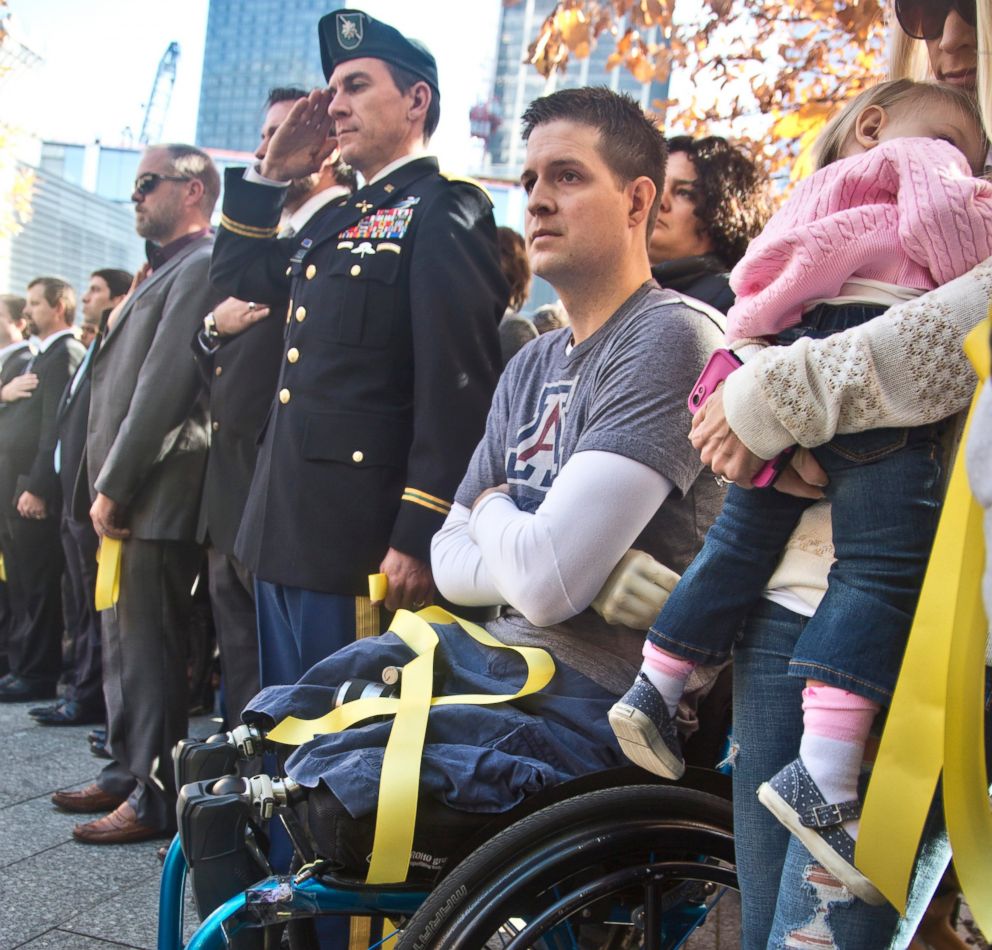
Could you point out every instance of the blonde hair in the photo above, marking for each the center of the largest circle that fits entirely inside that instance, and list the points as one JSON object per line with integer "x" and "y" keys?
{"x": 984, "y": 88}
{"x": 891, "y": 95}
{"x": 908, "y": 59}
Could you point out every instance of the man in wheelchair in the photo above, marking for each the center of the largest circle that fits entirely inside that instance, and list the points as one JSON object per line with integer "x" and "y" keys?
{"x": 584, "y": 463}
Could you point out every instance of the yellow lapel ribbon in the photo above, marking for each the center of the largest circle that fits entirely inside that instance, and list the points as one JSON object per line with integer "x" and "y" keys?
{"x": 399, "y": 783}
{"x": 3, "y": 570}
{"x": 936, "y": 720}
{"x": 108, "y": 573}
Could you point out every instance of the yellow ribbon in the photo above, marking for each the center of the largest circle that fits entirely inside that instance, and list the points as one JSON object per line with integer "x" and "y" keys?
{"x": 3, "y": 570}
{"x": 935, "y": 721}
{"x": 378, "y": 586}
{"x": 399, "y": 783}
{"x": 108, "y": 573}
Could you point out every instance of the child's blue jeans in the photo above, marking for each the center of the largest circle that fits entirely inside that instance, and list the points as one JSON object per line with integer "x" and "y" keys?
{"x": 885, "y": 492}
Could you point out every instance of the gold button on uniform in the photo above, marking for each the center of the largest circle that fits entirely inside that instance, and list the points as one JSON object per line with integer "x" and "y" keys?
{"x": 356, "y": 270}
{"x": 301, "y": 314}
{"x": 218, "y": 370}
{"x": 293, "y": 354}
{"x": 311, "y": 272}
{"x": 358, "y": 456}
{"x": 284, "y": 396}
{"x": 215, "y": 425}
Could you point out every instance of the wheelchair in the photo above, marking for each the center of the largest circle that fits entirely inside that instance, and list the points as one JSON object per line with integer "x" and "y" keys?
{"x": 615, "y": 859}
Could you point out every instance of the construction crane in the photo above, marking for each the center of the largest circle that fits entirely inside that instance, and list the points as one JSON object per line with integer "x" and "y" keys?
{"x": 157, "y": 107}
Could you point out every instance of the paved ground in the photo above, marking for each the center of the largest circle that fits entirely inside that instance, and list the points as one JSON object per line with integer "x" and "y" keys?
{"x": 57, "y": 894}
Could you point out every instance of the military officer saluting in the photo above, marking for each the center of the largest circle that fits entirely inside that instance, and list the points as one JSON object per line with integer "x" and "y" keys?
{"x": 390, "y": 356}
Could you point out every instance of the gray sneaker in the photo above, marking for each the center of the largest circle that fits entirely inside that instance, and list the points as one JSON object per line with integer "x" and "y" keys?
{"x": 645, "y": 730}
{"x": 795, "y": 800}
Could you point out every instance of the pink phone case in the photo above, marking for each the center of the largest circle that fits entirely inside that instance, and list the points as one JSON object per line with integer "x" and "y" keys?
{"x": 720, "y": 365}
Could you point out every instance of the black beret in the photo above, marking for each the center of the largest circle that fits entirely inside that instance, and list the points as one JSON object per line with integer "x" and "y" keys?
{"x": 352, "y": 34}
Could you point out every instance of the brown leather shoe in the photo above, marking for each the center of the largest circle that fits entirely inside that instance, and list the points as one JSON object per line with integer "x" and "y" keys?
{"x": 119, "y": 827}
{"x": 86, "y": 800}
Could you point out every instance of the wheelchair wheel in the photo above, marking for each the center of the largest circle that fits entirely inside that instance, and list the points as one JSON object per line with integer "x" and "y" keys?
{"x": 638, "y": 866}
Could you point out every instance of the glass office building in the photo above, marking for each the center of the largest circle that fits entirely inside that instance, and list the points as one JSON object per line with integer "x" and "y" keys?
{"x": 517, "y": 82}
{"x": 70, "y": 232}
{"x": 251, "y": 46}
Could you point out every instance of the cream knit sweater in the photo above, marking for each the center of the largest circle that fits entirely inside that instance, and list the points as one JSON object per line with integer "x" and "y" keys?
{"x": 904, "y": 368}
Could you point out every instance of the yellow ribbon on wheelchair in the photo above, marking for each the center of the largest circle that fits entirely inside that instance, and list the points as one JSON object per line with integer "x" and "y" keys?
{"x": 399, "y": 783}
{"x": 108, "y": 573}
{"x": 936, "y": 722}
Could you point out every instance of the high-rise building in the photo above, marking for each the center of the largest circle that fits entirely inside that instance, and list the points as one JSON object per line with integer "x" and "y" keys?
{"x": 251, "y": 46}
{"x": 518, "y": 82}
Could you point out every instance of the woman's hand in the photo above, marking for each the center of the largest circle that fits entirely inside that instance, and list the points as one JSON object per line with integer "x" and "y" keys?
{"x": 728, "y": 457}
{"x": 717, "y": 445}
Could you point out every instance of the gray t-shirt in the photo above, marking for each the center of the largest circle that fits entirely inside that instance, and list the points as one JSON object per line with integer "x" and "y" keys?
{"x": 623, "y": 390}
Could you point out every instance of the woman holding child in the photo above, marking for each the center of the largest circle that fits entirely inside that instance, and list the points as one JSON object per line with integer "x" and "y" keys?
{"x": 801, "y": 718}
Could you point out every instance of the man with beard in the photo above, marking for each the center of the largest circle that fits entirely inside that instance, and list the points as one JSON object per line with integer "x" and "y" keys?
{"x": 145, "y": 455}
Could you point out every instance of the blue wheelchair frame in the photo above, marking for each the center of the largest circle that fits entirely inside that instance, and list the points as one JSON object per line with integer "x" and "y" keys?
{"x": 313, "y": 896}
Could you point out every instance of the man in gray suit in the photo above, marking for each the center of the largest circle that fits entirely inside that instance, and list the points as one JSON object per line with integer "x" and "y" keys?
{"x": 146, "y": 449}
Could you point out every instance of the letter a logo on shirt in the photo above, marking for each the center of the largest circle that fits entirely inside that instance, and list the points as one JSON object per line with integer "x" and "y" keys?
{"x": 536, "y": 457}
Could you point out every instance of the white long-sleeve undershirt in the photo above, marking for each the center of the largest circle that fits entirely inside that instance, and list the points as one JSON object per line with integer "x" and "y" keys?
{"x": 548, "y": 565}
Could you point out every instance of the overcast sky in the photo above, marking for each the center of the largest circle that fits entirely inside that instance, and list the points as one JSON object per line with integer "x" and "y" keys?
{"x": 100, "y": 59}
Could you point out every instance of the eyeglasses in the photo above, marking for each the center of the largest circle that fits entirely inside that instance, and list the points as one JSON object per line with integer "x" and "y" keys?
{"x": 924, "y": 19}
{"x": 147, "y": 183}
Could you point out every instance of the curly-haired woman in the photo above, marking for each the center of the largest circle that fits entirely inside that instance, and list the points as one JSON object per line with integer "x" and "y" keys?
{"x": 715, "y": 200}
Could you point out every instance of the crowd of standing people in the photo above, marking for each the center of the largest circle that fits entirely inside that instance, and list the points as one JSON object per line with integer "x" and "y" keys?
{"x": 339, "y": 383}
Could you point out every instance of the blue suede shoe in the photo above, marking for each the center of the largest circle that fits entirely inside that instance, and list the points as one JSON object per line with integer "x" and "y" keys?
{"x": 645, "y": 730}
{"x": 795, "y": 800}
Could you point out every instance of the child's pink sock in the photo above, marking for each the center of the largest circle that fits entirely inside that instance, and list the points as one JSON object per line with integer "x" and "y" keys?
{"x": 835, "y": 728}
{"x": 666, "y": 673}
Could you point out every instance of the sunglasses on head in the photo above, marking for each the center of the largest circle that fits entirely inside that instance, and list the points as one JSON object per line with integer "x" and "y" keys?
{"x": 147, "y": 183}
{"x": 924, "y": 19}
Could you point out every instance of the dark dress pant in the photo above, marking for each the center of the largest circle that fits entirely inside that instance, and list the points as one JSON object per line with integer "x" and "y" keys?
{"x": 145, "y": 678}
{"x": 232, "y": 599}
{"x": 79, "y": 544}
{"x": 33, "y": 560}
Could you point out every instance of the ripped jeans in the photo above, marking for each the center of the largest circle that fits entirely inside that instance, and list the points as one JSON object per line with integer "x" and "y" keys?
{"x": 787, "y": 899}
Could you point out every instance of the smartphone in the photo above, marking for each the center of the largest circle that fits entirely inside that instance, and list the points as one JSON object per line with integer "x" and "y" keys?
{"x": 720, "y": 365}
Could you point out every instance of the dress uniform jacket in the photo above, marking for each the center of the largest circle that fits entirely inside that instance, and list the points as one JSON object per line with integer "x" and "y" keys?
{"x": 390, "y": 359}
{"x": 242, "y": 373}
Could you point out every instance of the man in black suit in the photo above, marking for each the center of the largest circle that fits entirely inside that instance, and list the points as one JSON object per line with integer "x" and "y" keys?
{"x": 390, "y": 355}
{"x": 15, "y": 351}
{"x": 30, "y": 494}
{"x": 83, "y": 700}
{"x": 240, "y": 353}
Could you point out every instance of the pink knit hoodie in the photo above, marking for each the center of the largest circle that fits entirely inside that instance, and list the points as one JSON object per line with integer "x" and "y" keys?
{"x": 907, "y": 212}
